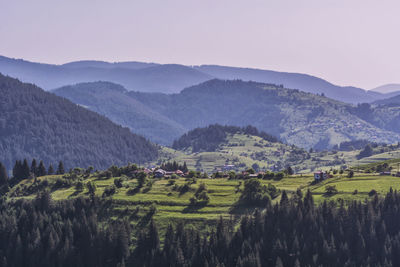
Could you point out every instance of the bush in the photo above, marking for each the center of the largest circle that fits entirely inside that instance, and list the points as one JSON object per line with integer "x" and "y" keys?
{"x": 350, "y": 174}
{"x": 109, "y": 190}
{"x": 279, "y": 176}
{"x": 330, "y": 190}
{"x": 184, "y": 188}
{"x": 372, "y": 193}
{"x": 118, "y": 182}
{"x": 256, "y": 194}
{"x": 79, "y": 186}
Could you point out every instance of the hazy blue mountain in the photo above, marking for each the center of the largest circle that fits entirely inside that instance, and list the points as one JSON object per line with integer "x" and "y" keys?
{"x": 107, "y": 65}
{"x": 112, "y": 101}
{"x": 388, "y": 88}
{"x": 41, "y": 125}
{"x": 138, "y": 76}
{"x": 303, "y": 82}
{"x": 172, "y": 78}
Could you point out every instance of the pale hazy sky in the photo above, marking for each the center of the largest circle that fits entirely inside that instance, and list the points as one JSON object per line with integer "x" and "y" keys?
{"x": 348, "y": 42}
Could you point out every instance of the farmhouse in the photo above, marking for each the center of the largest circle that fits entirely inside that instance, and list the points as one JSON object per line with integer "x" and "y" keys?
{"x": 159, "y": 173}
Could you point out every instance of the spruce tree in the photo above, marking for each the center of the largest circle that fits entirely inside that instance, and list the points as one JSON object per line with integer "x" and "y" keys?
{"x": 51, "y": 170}
{"x": 60, "y": 169}
{"x": 34, "y": 168}
{"x": 41, "y": 170}
{"x": 3, "y": 175}
{"x": 17, "y": 170}
{"x": 25, "y": 170}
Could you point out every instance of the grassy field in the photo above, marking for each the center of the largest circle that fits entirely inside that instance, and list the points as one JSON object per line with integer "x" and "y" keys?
{"x": 171, "y": 206}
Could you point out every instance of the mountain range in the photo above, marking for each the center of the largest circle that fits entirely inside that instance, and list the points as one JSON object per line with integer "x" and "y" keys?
{"x": 172, "y": 78}
{"x": 304, "y": 119}
{"x": 388, "y": 89}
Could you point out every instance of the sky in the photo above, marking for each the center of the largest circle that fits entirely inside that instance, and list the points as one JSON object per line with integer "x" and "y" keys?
{"x": 347, "y": 42}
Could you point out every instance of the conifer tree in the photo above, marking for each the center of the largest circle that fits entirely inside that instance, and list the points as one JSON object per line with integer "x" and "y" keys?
{"x": 17, "y": 170}
{"x": 41, "y": 170}
{"x": 3, "y": 175}
{"x": 25, "y": 170}
{"x": 34, "y": 168}
{"x": 60, "y": 169}
{"x": 50, "y": 170}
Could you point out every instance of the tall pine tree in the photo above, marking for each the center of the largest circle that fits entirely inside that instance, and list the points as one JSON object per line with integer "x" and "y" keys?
{"x": 3, "y": 175}
{"x": 60, "y": 169}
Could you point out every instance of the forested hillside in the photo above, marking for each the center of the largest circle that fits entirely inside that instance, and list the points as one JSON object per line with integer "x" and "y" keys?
{"x": 37, "y": 124}
{"x": 112, "y": 101}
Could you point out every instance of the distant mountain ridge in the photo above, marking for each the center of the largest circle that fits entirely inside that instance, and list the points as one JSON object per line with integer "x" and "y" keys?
{"x": 41, "y": 125}
{"x": 171, "y": 78}
{"x": 388, "y": 89}
{"x": 303, "y": 82}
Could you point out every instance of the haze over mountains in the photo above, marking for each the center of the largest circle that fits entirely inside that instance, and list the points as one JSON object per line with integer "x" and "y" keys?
{"x": 171, "y": 78}
{"x": 296, "y": 117}
{"x": 387, "y": 88}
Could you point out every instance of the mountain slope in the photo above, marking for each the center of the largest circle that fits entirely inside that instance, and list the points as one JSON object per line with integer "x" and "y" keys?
{"x": 38, "y": 124}
{"x": 299, "y": 118}
{"x": 111, "y": 101}
{"x": 303, "y": 82}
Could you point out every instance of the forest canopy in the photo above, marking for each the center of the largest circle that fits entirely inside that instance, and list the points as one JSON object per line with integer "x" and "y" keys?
{"x": 38, "y": 124}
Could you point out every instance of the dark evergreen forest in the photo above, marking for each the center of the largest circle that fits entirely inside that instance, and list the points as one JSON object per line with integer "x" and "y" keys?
{"x": 38, "y": 124}
{"x": 294, "y": 232}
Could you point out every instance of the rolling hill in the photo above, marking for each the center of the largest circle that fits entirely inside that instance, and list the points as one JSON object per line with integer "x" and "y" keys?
{"x": 216, "y": 147}
{"x": 41, "y": 125}
{"x": 296, "y": 117}
{"x": 171, "y": 78}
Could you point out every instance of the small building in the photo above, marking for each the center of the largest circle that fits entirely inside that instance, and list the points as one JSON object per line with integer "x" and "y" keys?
{"x": 159, "y": 173}
{"x": 320, "y": 175}
{"x": 385, "y": 173}
{"x": 228, "y": 167}
{"x": 179, "y": 173}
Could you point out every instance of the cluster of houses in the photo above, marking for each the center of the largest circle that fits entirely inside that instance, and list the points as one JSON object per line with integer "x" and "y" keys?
{"x": 160, "y": 173}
